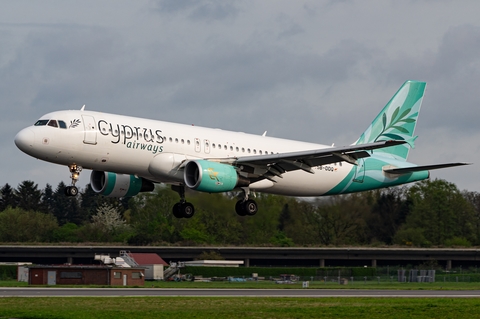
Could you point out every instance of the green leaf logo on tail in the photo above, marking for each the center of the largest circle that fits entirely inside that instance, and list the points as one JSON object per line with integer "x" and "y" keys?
{"x": 397, "y": 120}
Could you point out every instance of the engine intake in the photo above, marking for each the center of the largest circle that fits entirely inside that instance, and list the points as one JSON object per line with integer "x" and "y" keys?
{"x": 212, "y": 177}
{"x": 118, "y": 185}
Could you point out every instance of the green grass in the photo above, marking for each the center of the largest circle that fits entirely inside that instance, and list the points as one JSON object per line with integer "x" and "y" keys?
{"x": 271, "y": 285}
{"x": 203, "y": 307}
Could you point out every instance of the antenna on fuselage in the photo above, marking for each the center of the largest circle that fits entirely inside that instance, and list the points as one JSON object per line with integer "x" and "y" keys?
{"x": 264, "y": 133}
{"x": 83, "y": 107}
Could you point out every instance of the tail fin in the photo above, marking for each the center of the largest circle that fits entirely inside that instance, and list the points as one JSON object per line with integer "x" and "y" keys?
{"x": 397, "y": 120}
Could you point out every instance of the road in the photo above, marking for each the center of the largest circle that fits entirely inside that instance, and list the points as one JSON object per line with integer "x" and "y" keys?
{"x": 152, "y": 292}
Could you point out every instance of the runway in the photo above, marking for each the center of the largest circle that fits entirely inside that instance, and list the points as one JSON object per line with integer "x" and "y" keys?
{"x": 161, "y": 292}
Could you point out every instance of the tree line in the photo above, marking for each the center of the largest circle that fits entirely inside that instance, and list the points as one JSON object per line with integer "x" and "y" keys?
{"x": 431, "y": 213}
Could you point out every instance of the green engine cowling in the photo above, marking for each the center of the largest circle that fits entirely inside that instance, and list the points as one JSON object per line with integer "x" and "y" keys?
{"x": 212, "y": 177}
{"x": 118, "y": 185}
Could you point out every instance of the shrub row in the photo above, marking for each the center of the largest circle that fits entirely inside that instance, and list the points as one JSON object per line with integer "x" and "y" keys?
{"x": 277, "y": 271}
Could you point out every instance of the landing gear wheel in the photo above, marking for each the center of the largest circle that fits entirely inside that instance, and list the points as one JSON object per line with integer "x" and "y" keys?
{"x": 71, "y": 191}
{"x": 240, "y": 209}
{"x": 183, "y": 210}
{"x": 250, "y": 207}
{"x": 188, "y": 210}
{"x": 177, "y": 212}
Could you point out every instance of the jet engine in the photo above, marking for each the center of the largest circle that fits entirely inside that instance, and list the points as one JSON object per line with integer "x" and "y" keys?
{"x": 212, "y": 177}
{"x": 118, "y": 185}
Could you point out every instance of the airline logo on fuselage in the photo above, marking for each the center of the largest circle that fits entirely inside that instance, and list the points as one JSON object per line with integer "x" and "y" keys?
{"x": 133, "y": 137}
{"x": 214, "y": 176}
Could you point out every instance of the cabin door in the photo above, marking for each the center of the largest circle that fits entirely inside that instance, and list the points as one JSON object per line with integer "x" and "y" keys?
{"x": 90, "y": 136}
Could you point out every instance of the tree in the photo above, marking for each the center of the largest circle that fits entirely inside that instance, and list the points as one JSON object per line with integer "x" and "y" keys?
{"x": 109, "y": 219}
{"x": 65, "y": 208}
{"x": 440, "y": 213}
{"x": 7, "y": 197}
{"x": 261, "y": 228}
{"x": 341, "y": 220}
{"x": 474, "y": 199}
{"x": 18, "y": 225}
{"x": 28, "y": 196}
{"x": 215, "y": 212}
{"x": 48, "y": 201}
{"x": 151, "y": 217}
{"x": 388, "y": 213}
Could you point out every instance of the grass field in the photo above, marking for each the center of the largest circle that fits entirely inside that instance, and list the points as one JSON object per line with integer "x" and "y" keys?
{"x": 202, "y": 307}
{"x": 312, "y": 285}
{"x": 246, "y": 307}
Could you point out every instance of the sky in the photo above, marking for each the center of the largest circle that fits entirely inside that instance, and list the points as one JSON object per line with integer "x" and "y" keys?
{"x": 316, "y": 71}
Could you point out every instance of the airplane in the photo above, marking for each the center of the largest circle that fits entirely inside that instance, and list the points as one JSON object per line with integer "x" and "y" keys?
{"x": 128, "y": 155}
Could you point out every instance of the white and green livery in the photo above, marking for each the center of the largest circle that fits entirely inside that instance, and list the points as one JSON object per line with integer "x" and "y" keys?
{"x": 127, "y": 155}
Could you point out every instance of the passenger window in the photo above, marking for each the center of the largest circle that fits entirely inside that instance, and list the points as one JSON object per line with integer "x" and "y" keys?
{"x": 53, "y": 123}
{"x": 41, "y": 123}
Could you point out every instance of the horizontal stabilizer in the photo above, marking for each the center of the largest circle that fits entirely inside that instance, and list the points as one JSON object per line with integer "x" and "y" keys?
{"x": 406, "y": 170}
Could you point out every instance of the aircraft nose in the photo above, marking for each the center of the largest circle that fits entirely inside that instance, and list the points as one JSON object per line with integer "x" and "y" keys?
{"x": 24, "y": 139}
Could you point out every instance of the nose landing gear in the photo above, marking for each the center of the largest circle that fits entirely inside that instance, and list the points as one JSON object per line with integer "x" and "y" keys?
{"x": 75, "y": 173}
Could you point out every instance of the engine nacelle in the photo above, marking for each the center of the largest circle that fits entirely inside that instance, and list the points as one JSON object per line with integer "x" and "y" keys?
{"x": 118, "y": 185}
{"x": 212, "y": 177}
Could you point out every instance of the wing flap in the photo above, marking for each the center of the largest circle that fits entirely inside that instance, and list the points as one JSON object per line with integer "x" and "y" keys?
{"x": 317, "y": 157}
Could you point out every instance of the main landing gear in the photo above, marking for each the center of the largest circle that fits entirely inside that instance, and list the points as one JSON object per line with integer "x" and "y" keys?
{"x": 246, "y": 206}
{"x": 182, "y": 209}
{"x": 75, "y": 173}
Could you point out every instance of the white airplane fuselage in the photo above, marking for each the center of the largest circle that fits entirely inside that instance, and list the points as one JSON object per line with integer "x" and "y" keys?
{"x": 129, "y": 145}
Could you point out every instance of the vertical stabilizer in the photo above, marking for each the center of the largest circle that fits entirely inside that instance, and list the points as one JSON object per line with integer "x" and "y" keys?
{"x": 397, "y": 121}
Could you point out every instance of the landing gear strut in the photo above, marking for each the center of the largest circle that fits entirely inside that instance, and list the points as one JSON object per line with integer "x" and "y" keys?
{"x": 75, "y": 173}
{"x": 246, "y": 206}
{"x": 182, "y": 209}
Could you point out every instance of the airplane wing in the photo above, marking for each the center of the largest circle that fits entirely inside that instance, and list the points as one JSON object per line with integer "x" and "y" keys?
{"x": 277, "y": 164}
{"x": 406, "y": 170}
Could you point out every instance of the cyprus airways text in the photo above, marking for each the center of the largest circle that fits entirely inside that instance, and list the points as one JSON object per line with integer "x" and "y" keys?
{"x": 134, "y": 137}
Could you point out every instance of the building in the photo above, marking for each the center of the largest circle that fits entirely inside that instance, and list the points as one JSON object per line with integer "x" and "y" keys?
{"x": 85, "y": 275}
{"x": 154, "y": 265}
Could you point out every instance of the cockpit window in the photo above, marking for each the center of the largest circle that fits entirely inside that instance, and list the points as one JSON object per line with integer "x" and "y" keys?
{"x": 53, "y": 123}
{"x": 41, "y": 122}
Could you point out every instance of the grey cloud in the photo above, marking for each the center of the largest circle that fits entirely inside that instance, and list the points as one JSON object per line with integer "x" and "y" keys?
{"x": 199, "y": 10}
{"x": 460, "y": 49}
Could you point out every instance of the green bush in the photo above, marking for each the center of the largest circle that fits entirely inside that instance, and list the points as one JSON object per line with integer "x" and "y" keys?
{"x": 8, "y": 272}
{"x": 277, "y": 271}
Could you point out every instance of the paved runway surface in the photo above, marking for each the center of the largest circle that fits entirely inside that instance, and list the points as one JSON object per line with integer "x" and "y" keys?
{"x": 152, "y": 292}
